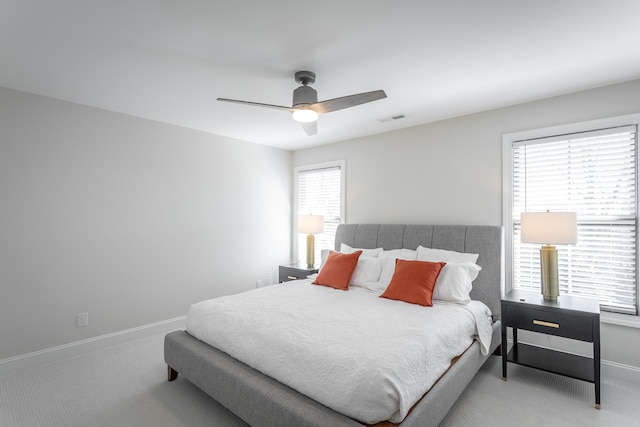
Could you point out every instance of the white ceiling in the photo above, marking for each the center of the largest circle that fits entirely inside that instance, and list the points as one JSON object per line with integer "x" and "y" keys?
{"x": 169, "y": 60}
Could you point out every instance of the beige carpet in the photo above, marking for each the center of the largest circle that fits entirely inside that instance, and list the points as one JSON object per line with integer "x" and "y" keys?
{"x": 535, "y": 398}
{"x": 126, "y": 386}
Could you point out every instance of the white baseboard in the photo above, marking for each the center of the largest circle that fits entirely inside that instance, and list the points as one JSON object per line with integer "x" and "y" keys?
{"x": 48, "y": 355}
{"x": 620, "y": 372}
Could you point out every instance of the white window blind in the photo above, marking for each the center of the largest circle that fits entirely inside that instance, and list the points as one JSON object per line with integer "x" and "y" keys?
{"x": 320, "y": 193}
{"x": 594, "y": 174}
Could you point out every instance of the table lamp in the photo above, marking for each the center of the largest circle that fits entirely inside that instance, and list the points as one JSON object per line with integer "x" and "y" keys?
{"x": 310, "y": 225}
{"x": 549, "y": 228}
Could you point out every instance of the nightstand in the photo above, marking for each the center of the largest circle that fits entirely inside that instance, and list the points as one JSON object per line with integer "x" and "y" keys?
{"x": 569, "y": 317}
{"x": 295, "y": 272}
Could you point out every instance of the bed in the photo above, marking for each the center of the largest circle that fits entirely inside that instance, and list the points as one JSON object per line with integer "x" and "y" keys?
{"x": 261, "y": 400}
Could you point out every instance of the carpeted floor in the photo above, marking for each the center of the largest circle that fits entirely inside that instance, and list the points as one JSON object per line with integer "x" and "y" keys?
{"x": 126, "y": 386}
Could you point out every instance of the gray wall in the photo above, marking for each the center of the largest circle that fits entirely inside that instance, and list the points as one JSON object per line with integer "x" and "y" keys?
{"x": 127, "y": 219}
{"x": 451, "y": 172}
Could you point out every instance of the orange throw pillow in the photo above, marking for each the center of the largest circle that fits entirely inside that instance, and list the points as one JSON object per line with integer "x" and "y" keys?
{"x": 337, "y": 270}
{"x": 413, "y": 282}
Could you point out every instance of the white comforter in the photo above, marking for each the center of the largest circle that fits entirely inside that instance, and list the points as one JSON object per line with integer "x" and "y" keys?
{"x": 369, "y": 358}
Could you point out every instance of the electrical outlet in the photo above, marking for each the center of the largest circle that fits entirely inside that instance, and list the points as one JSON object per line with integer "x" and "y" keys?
{"x": 82, "y": 319}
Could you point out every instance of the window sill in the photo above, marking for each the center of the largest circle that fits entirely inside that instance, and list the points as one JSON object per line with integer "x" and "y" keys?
{"x": 620, "y": 319}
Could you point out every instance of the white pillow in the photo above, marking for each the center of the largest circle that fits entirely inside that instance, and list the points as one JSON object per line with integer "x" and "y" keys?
{"x": 367, "y": 272}
{"x": 346, "y": 249}
{"x": 399, "y": 254}
{"x": 324, "y": 253}
{"x": 455, "y": 281}
{"x": 388, "y": 265}
{"x": 441, "y": 255}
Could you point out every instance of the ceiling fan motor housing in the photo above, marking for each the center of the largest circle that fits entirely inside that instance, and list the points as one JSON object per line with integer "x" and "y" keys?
{"x": 304, "y": 95}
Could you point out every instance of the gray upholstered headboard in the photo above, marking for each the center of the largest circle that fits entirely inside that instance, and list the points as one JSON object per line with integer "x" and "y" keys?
{"x": 485, "y": 240}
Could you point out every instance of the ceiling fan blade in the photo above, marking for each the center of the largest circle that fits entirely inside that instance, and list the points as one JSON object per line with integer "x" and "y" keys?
{"x": 311, "y": 128}
{"x": 256, "y": 104}
{"x": 347, "y": 101}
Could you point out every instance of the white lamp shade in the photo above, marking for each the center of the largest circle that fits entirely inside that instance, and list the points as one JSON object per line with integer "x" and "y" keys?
{"x": 310, "y": 224}
{"x": 549, "y": 228}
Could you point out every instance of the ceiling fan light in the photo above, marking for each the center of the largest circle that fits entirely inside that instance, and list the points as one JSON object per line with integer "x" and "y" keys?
{"x": 305, "y": 116}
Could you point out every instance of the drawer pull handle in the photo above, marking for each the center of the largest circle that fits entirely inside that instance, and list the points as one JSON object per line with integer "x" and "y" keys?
{"x": 548, "y": 324}
{"x": 292, "y": 277}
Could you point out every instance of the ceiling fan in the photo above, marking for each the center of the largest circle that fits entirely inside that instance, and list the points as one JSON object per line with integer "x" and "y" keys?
{"x": 305, "y": 106}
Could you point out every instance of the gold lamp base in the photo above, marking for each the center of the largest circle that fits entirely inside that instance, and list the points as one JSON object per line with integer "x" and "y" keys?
{"x": 549, "y": 273}
{"x": 310, "y": 250}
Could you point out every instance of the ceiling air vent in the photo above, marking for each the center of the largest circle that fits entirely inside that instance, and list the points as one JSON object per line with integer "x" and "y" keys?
{"x": 391, "y": 118}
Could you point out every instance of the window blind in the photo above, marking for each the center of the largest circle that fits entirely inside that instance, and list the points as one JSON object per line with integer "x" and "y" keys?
{"x": 319, "y": 193}
{"x": 594, "y": 174}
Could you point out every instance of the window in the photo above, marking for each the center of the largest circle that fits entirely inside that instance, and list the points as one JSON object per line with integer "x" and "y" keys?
{"x": 319, "y": 191}
{"x": 591, "y": 169}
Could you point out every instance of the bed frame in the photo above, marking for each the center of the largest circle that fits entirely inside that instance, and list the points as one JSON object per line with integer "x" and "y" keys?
{"x": 262, "y": 401}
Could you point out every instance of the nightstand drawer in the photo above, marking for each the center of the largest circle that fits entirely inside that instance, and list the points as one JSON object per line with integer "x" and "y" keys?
{"x": 295, "y": 272}
{"x": 291, "y": 274}
{"x": 552, "y": 323}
